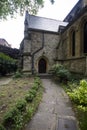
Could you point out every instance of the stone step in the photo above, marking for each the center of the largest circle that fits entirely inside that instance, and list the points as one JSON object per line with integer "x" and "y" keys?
{"x": 45, "y": 76}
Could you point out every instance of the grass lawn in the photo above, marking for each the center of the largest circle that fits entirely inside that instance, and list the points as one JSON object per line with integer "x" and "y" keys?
{"x": 12, "y": 92}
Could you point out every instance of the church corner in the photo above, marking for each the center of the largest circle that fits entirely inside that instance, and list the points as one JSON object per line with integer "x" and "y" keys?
{"x": 49, "y": 41}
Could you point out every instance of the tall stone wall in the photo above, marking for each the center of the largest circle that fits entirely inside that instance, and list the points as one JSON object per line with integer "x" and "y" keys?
{"x": 25, "y": 51}
{"x": 48, "y": 52}
{"x": 76, "y": 63}
{"x": 41, "y": 45}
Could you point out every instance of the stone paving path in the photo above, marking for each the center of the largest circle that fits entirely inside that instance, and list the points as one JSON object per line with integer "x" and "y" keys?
{"x": 55, "y": 111}
{"x": 5, "y": 80}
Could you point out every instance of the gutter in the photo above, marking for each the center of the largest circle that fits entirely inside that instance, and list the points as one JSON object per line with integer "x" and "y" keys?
{"x": 37, "y": 52}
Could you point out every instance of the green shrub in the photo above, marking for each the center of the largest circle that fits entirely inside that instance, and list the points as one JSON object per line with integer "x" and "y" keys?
{"x": 33, "y": 92}
{"x": 37, "y": 81}
{"x": 79, "y": 94}
{"x": 82, "y": 116}
{"x": 61, "y": 73}
{"x": 17, "y": 74}
{"x": 7, "y": 64}
{"x": 30, "y": 112}
{"x": 82, "y": 108}
{"x": 21, "y": 105}
{"x": 35, "y": 87}
{"x": 29, "y": 97}
{"x": 13, "y": 119}
{"x": 2, "y": 127}
{"x": 56, "y": 68}
{"x": 8, "y": 120}
{"x": 64, "y": 74}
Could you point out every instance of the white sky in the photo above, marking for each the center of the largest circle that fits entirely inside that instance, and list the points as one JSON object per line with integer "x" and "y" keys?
{"x": 13, "y": 29}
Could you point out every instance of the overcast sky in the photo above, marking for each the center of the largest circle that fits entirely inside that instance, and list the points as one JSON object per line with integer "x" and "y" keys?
{"x": 13, "y": 29}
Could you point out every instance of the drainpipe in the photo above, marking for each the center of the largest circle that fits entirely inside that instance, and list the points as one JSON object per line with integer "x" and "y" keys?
{"x": 37, "y": 52}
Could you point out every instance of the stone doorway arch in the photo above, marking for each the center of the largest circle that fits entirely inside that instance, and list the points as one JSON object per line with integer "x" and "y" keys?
{"x": 42, "y": 65}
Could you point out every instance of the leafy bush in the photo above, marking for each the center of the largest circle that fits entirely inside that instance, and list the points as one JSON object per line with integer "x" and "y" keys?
{"x": 7, "y": 64}
{"x": 14, "y": 118}
{"x": 61, "y": 73}
{"x": 56, "y": 68}
{"x": 37, "y": 81}
{"x": 82, "y": 117}
{"x": 29, "y": 97}
{"x": 33, "y": 92}
{"x": 2, "y": 128}
{"x": 21, "y": 105}
{"x": 9, "y": 118}
{"x": 30, "y": 111}
{"x": 35, "y": 87}
{"x": 79, "y": 94}
{"x": 17, "y": 74}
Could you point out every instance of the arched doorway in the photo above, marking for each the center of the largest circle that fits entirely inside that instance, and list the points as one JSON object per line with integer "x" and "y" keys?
{"x": 42, "y": 66}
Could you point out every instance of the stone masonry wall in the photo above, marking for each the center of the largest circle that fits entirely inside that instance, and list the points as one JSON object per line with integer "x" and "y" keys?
{"x": 74, "y": 63}
{"x": 48, "y": 52}
{"x": 77, "y": 65}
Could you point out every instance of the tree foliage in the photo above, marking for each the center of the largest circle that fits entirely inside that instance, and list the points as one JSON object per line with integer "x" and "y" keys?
{"x": 14, "y": 6}
{"x": 7, "y": 64}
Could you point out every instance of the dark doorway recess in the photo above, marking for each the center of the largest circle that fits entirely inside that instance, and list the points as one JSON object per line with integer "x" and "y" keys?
{"x": 42, "y": 65}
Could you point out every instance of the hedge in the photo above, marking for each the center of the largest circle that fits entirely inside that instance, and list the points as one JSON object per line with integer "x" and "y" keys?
{"x": 7, "y": 64}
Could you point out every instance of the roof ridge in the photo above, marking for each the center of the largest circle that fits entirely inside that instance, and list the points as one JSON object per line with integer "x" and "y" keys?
{"x": 46, "y": 18}
{"x": 37, "y": 22}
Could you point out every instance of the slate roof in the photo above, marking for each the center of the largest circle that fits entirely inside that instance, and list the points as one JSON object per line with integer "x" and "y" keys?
{"x": 74, "y": 12}
{"x": 45, "y": 24}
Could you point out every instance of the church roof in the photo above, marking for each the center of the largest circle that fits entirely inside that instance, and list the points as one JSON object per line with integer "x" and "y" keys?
{"x": 74, "y": 12}
{"x": 41, "y": 23}
{"x": 3, "y": 42}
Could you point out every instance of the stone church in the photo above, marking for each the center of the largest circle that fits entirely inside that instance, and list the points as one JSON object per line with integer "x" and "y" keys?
{"x": 48, "y": 41}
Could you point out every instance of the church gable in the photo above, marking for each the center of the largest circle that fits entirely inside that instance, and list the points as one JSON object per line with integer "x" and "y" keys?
{"x": 43, "y": 24}
{"x": 47, "y": 41}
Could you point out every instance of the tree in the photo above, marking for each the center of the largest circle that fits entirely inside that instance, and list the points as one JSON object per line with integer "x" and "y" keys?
{"x": 10, "y": 7}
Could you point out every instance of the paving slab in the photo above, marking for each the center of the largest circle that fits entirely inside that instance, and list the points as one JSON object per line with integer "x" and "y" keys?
{"x": 5, "y": 80}
{"x": 55, "y": 111}
{"x": 66, "y": 124}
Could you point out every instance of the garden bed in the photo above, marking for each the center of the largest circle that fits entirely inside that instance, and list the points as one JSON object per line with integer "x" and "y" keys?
{"x": 13, "y": 97}
{"x": 78, "y": 95}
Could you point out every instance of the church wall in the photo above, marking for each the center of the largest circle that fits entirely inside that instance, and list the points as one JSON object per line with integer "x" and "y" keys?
{"x": 77, "y": 65}
{"x": 40, "y": 45}
{"x": 77, "y": 62}
{"x": 84, "y": 2}
{"x": 26, "y": 63}
{"x": 48, "y": 52}
{"x": 36, "y": 40}
{"x": 26, "y": 58}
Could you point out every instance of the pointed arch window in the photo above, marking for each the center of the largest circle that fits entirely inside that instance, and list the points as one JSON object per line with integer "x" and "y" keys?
{"x": 85, "y": 38}
{"x": 73, "y": 43}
